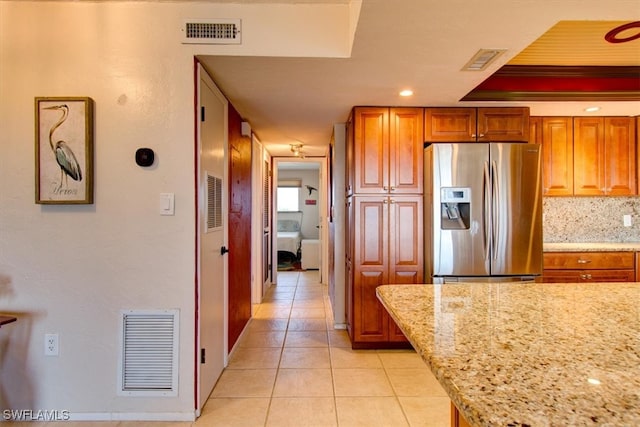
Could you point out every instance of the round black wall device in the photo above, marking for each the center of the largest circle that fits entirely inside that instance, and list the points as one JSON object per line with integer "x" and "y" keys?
{"x": 144, "y": 157}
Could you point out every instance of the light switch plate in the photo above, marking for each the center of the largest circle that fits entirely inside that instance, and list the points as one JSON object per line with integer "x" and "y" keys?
{"x": 167, "y": 204}
{"x": 626, "y": 220}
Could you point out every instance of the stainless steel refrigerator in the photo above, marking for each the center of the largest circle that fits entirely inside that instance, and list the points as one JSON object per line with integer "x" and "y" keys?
{"x": 483, "y": 212}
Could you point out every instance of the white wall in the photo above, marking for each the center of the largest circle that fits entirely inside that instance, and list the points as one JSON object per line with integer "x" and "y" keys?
{"x": 71, "y": 269}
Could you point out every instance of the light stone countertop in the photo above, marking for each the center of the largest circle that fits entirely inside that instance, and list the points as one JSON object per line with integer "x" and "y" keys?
{"x": 514, "y": 354}
{"x": 591, "y": 247}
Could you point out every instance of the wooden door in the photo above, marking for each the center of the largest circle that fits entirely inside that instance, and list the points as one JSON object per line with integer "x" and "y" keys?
{"x": 620, "y": 156}
{"x": 370, "y": 266}
{"x": 371, "y": 150}
{"x": 450, "y": 124}
{"x": 406, "y": 144}
{"x": 557, "y": 155}
{"x": 588, "y": 156}
{"x": 503, "y": 124}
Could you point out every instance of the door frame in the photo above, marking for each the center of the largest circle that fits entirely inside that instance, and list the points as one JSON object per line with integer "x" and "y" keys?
{"x": 323, "y": 211}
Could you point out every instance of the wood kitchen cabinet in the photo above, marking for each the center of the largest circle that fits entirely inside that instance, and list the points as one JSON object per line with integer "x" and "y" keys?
{"x": 604, "y": 156}
{"x": 457, "y": 420}
{"x": 571, "y": 267}
{"x": 491, "y": 124}
{"x": 386, "y": 155}
{"x": 555, "y": 134}
{"x": 384, "y": 215}
{"x": 387, "y": 249}
{"x": 587, "y": 156}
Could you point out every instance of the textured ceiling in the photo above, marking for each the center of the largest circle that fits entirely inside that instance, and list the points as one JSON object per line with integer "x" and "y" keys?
{"x": 423, "y": 44}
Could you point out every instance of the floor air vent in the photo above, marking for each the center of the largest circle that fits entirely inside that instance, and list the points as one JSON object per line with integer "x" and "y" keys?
{"x": 214, "y": 31}
{"x": 149, "y": 357}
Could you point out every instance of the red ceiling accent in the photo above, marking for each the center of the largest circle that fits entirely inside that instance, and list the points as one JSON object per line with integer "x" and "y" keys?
{"x": 612, "y": 36}
{"x": 556, "y": 83}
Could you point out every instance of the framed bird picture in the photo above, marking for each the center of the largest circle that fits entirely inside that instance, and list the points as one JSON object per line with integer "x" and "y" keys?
{"x": 64, "y": 150}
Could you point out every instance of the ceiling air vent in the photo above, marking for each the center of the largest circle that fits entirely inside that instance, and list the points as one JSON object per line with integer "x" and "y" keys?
{"x": 482, "y": 59}
{"x": 211, "y": 31}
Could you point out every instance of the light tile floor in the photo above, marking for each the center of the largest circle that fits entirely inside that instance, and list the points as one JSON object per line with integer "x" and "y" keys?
{"x": 291, "y": 368}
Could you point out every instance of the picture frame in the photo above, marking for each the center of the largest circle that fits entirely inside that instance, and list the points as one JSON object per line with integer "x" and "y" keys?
{"x": 64, "y": 150}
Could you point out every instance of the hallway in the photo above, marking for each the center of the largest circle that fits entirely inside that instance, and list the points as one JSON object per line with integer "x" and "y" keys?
{"x": 293, "y": 369}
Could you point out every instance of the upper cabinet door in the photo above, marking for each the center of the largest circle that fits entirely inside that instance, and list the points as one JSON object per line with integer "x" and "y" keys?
{"x": 503, "y": 124}
{"x": 620, "y": 156}
{"x": 406, "y": 144}
{"x": 557, "y": 156}
{"x": 450, "y": 124}
{"x": 371, "y": 150}
{"x": 588, "y": 156}
{"x": 476, "y": 124}
{"x": 604, "y": 156}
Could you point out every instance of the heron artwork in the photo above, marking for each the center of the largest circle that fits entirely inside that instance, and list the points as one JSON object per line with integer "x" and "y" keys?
{"x": 69, "y": 166}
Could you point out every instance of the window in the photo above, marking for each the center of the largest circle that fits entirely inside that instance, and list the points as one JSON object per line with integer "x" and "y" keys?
{"x": 288, "y": 199}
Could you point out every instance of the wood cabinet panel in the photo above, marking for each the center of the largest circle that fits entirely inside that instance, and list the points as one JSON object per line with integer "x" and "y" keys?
{"x": 620, "y": 156}
{"x": 604, "y": 156}
{"x": 591, "y": 260}
{"x": 579, "y": 276}
{"x": 387, "y": 250}
{"x": 457, "y": 420}
{"x": 370, "y": 150}
{"x": 406, "y": 136}
{"x": 637, "y": 266}
{"x": 476, "y": 124}
{"x": 387, "y": 150}
{"x": 568, "y": 267}
{"x": 557, "y": 156}
{"x": 503, "y": 124}
{"x": 450, "y": 124}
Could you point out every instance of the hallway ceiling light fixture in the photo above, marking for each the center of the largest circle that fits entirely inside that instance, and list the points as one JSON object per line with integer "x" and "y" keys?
{"x": 296, "y": 149}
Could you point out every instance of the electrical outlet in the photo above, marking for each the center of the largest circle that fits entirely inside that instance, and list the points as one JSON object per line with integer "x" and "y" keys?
{"x": 51, "y": 345}
{"x": 626, "y": 220}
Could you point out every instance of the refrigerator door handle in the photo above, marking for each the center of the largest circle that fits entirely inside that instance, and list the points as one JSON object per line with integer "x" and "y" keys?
{"x": 485, "y": 211}
{"x": 495, "y": 209}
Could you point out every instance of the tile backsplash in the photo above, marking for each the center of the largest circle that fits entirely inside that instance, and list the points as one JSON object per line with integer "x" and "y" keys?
{"x": 590, "y": 219}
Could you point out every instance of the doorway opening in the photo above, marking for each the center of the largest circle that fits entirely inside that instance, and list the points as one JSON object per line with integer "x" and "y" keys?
{"x": 299, "y": 215}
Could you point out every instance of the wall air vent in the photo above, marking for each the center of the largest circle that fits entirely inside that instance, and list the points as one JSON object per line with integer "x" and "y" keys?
{"x": 211, "y": 31}
{"x": 149, "y": 354}
{"x": 482, "y": 59}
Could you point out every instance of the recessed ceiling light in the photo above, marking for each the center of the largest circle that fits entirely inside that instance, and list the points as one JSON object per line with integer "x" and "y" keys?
{"x": 406, "y": 92}
{"x": 592, "y": 109}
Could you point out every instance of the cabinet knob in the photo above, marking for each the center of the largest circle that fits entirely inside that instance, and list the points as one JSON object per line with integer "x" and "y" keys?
{"x": 392, "y": 188}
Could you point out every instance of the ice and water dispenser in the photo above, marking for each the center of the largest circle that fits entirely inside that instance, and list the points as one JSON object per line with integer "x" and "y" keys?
{"x": 455, "y": 208}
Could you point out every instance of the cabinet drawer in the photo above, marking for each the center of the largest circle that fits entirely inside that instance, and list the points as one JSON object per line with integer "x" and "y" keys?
{"x": 577, "y": 276}
{"x": 588, "y": 260}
